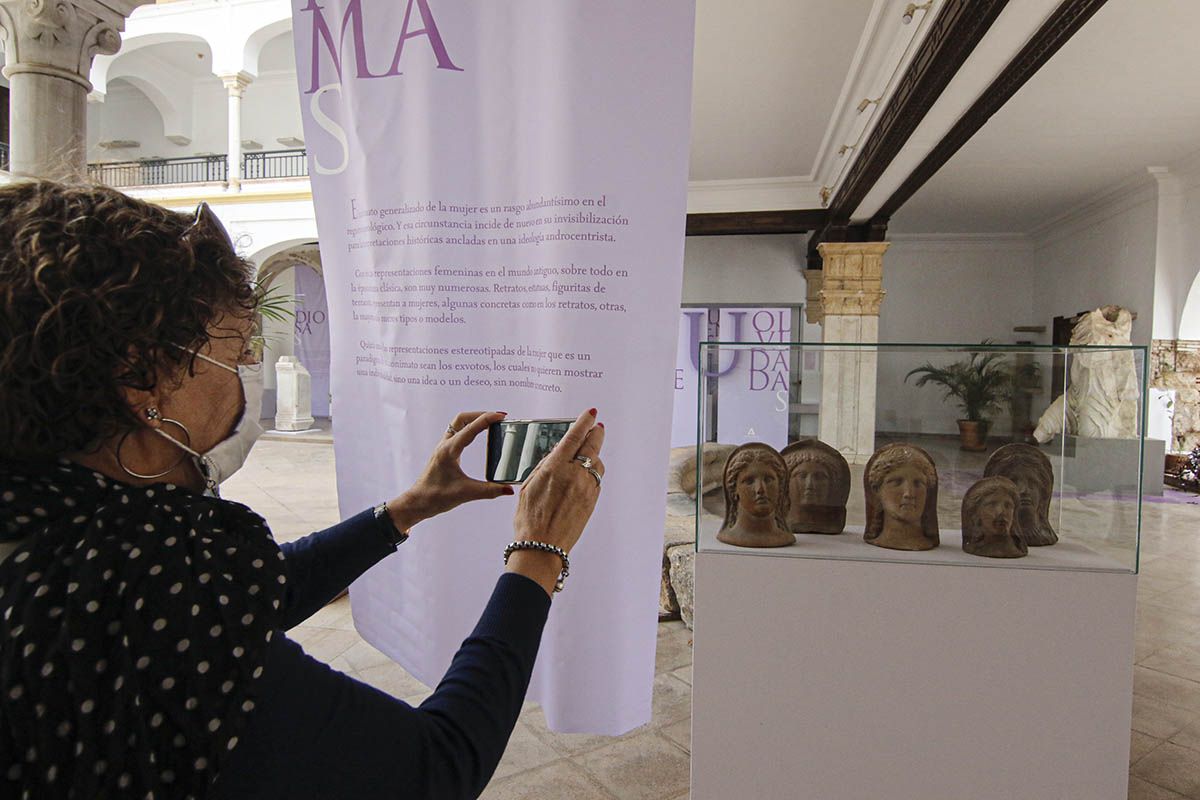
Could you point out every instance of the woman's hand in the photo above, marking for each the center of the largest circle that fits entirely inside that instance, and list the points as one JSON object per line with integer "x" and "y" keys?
{"x": 557, "y": 501}
{"x": 443, "y": 485}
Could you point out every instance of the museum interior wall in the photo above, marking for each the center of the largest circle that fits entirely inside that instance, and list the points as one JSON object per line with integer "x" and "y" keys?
{"x": 948, "y": 288}
{"x": 1102, "y": 253}
{"x": 744, "y": 269}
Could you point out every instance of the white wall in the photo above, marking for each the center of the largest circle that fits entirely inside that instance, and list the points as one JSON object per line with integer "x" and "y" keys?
{"x": 1103, "y": 253}
{"x": 949, "y": 289}
{"x": 270, "y": 111}
{"x": 1185, "y": 294}
{"x": 744, "y": 269}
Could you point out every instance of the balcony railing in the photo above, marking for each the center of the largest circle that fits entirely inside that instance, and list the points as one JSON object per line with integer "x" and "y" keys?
{"x": 271, "y": 164}
{"x": 267, "y": 165}
{"x": 4, "y": 156}
{"x": 161, "y": 171}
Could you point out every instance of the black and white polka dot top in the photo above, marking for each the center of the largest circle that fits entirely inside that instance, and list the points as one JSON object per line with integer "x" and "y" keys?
{"x": 134, "y": 623}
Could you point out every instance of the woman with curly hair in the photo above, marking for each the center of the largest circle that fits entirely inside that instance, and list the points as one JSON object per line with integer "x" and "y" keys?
{"x": 143, "y": 646}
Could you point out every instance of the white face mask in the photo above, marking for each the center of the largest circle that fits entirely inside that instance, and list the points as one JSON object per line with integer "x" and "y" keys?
{"x": 228, "y": 455}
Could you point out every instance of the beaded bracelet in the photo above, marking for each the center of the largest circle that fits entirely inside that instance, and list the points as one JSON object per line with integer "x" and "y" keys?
{"x": 545, "y": 548}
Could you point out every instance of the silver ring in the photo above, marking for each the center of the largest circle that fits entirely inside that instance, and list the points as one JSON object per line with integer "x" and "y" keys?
{"x": 595, "y": 474}
{"x": 451, "y": 430}
{"x": 586, "y": 461}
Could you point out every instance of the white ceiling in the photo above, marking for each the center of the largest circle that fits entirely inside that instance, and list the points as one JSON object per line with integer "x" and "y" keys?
{"x": 767, "y": 77}
{"x": 1121, "y": 96}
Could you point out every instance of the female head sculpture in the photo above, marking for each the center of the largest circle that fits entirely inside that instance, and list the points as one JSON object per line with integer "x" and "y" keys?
{"x": 818, "y": 487}
{"x": 1030, "y": 469}
{"x": 756, "y": 499}
{"x": 900, "y": 484}
{"x": 989, "y": 511}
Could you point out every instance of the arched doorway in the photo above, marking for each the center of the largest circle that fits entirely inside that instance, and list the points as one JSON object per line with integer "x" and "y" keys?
{"x": 296, "y": 272}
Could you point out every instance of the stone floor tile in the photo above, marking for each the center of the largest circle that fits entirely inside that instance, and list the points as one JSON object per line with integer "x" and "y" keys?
{"x": 684, "y": 674}
{"x": 681, "y": 733}
{"x": 393, "y": 679}
{"x": 559, "y": 779}
{"x": 361, "y": 657}
{"x": 1156, "y": 718}
{"x": 1144, "y": 790}
{"x": 644, "y": 767}
{"x": 324, "y": 644}
{"x": 1140, "y": 744}
{"x": 1168, "y": 689}
{"x": 568, "y": 744}
{"x": 1171, "y": 767}
{"x": 525, "y": 751}
{"x": 1188, "y": 736}
{"x": 1182, "y": 662}
{"x": 672, "y": 700}
{"x": 674, "y": 646}
{"x": 335, "y": 615}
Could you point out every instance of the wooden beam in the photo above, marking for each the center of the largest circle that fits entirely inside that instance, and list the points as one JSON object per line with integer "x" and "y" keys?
{"x": 756, "y": 222}
{"x": 1064, "y": 23}
{"x": 958, "y": 27}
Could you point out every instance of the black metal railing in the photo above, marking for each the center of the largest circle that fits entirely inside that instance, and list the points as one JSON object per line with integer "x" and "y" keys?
{"x": 4, "y": 156}
{"x": 161, "y": 171}
{"x": 275, "y": 164}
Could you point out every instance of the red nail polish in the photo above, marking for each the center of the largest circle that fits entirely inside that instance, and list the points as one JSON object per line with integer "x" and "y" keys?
{"x": 593, "y": 412}
{"x": 600, "y": 424}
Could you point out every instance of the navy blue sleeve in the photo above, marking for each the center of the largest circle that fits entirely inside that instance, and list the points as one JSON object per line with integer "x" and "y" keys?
{"x": 321, "y": 565}
{"x": 316, "y": 733}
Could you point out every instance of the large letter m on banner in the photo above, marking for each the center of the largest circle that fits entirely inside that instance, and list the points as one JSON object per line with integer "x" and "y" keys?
{"x": 323, "y": 38}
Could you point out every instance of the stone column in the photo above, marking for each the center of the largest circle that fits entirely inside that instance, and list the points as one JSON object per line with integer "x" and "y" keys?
{"x": 851, "y": 294}
{"x": 235, "y": 85}
{"x": 814, "y": 309}
{"x": 48, "y": 51}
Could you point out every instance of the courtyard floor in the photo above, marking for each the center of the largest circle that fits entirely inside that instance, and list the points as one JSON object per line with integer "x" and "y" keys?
{"x": 291, "y": 483}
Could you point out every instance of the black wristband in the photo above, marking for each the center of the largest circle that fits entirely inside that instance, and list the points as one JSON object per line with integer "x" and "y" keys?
{"x": 394, "y": 535}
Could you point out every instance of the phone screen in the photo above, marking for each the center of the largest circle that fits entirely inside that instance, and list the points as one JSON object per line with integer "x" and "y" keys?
{"x": 516, "y": 446}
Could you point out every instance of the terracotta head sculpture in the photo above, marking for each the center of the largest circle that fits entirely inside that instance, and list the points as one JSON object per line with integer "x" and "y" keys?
{"x": 989, "y": 511}
{"x": 756, "y": 500}
{"x": 900, "y": 484}
{"x": 1030, "y": 469}
{"x": 818, "y": 487}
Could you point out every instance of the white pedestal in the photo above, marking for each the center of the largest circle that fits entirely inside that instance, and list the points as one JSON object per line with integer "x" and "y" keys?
{"x": 294, "y": 395}
{"x": 853, "y": 680}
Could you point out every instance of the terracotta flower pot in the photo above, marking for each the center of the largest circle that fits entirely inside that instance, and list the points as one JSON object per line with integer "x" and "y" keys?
{"x": 973, "y": 435}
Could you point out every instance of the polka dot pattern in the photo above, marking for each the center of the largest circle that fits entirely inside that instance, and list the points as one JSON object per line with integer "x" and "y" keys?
{"x": 132, "y": 650}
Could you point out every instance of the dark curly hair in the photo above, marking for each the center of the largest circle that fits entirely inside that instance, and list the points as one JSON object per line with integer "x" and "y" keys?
{"x": 98, "y": 291}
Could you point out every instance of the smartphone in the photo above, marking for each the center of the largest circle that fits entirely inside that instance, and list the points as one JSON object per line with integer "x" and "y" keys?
{"x": 516, "y": 446}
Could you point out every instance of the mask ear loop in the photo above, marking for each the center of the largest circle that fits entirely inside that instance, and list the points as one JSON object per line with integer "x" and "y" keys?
{"x": 186, "y": 447}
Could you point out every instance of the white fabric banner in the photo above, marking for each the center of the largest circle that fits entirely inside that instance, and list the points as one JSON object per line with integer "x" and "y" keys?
{"x": 501, "y": 193}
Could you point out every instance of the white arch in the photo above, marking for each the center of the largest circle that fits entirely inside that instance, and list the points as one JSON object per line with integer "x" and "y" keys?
{"x": 265, "y": 254}
{"x": 102, "y": 66}
{"x": 1189, "y": 319}
{"x": 177, "y": 121}
{"x": 252, "y": 50}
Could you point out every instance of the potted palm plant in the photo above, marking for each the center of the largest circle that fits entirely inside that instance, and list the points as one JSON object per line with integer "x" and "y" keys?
{"x": 979, "y": 384}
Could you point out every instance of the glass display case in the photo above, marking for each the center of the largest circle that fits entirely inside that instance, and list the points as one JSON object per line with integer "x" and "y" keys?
{"x": 1003, "y": 456}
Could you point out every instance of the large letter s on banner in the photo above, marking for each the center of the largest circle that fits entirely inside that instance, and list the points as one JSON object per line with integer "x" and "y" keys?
{"x": 334, "y": 130}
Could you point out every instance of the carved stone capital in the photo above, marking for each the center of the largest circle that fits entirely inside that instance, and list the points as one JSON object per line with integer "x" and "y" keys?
{"x": 61, "y": 37}
{"x": 853, "y": 281}
{"x": 814, "y": 308}
{"x": 236, "y": 83}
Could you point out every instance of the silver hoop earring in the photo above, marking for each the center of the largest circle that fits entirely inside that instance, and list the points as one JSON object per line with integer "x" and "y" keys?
{"x": 187, "y": 448}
